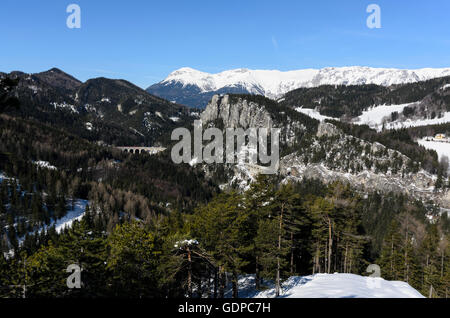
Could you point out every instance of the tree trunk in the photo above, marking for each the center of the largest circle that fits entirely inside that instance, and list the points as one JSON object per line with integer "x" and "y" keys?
{"x": 278, "y": 284}
{"x": 216, "y": 278}
{"x": 406, "y": 253}
{"x": 209, "y": 283}
{"x": 235, "y": 284}
{"x": 345, "y": 258}
{"x": 292, "y": 254}
{"x": 189, "y": 273}
{"x": 392, "y": 256}
{"x": 330, "y": 245}
{"x": 257, "y": 278}
{"x": 221, "y": 283}
{"x": 316, "y": 258}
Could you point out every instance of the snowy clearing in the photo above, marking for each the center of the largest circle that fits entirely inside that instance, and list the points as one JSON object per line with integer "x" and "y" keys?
{"x": 330, "y": 286}
{"x": 419, "y": 122}
{"x": 442, "y": 148}
{"x": 313, "y": 114}
{"x": 75, "y": 214}
{"x": 374, "y": 116}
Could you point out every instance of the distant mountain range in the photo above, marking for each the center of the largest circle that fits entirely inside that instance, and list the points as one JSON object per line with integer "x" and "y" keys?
{"x": 194, "y": 88}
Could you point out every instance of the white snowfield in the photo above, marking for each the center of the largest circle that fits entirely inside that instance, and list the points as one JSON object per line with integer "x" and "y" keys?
{"x": 274, "y": 83}
{"x": 419, "y": 122}
{"x": 442, "y": 148}
{"x": 378, "y": 117}
{"x": 331, "y": 286}
{"x": 313, "y": 114}
{"x": 375, "y": 116}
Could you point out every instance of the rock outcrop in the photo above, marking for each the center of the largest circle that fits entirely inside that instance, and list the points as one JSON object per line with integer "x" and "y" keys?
{"x": 237, "y": 114}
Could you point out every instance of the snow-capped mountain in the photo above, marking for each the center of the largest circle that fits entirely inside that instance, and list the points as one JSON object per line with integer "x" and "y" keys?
{"x": 195, "y": 88}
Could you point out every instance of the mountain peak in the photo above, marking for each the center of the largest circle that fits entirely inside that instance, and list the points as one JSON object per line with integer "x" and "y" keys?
{"x": 58, "y": 78}
{"x": 275, "y": 83}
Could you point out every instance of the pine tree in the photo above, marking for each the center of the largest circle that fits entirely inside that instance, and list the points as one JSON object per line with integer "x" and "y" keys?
{"x": 390, "y": 260}
{"x": 219, "y": 226}
{"x": 133, "y": 261}
{"x": 258, "y": 203}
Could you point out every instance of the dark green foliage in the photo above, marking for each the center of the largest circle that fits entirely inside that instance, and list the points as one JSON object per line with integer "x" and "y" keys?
{"x": 349, "y": 101}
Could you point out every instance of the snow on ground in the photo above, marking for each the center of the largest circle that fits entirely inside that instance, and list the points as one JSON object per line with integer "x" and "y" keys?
{"x": 442, "y": 148}
{"x": 75, "y": 214}
{"x": 374, "y": 116}
{"x": 446, "y": 86}
{"x": 313, "y": 114}
{"x": 45, "y": 164}
{"x": 419, "y": 122}
{"x": 174, "y": 119}
{"x": 65, "y": 105}
{"x": 330, "y": 286}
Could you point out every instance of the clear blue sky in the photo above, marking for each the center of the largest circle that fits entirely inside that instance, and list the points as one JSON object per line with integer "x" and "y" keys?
{"x": 143, "y": 41}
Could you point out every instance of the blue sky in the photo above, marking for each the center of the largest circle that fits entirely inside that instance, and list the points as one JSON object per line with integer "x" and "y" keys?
{"x": 143, "y": 41}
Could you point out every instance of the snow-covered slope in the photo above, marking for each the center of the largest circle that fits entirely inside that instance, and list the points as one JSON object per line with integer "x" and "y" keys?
{"x": 442, "y": 148}
{"x": 331, "y": 286}
{"x": 273, "y": 83}
{"x": 376, "y": 116}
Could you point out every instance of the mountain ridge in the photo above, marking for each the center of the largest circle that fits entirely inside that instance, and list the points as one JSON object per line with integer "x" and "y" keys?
{"x": 274, "y": 83}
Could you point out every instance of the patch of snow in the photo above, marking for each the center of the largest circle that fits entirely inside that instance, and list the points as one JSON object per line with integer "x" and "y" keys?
{"x": 442, "y": 148}
{"x": 183, "y": 243}
{"x": 65, "y": 105}
{"x": 45, "y": 164}
{"x": 76, "y": 214}
{"x": 445, "y": 87}
{"x": 136, "y": 131}
{"x": 3, "y": 177}
{"x": 335, "y": 286}
{"x": 375, "y": 116}
{"x": 174, "y": 119}
{"x": 89, "y": 126}
{"x": 419, "y": 122}
{"x": 313, "y": 114}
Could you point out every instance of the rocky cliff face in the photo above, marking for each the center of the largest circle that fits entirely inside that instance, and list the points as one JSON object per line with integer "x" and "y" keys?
{"x": 241, "y": 113}
{"x": 238, "y": 112}
{"x": 325, "y": 153}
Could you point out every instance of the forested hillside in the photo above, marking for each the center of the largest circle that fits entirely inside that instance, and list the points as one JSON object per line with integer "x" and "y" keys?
{"x": 114, "y": 112}
{"x": 349, "y": 101}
